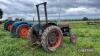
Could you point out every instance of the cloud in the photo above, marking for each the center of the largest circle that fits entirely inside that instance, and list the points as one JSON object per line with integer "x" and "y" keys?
{"x": 82, "y": 10}
{"x": 66, "y": 8}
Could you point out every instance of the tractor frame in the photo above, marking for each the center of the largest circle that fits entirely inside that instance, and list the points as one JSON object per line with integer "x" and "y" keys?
{"x": 48, "y": 34}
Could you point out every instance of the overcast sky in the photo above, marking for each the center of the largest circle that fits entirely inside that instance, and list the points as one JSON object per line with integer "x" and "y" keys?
{"x": 66, "y": 8}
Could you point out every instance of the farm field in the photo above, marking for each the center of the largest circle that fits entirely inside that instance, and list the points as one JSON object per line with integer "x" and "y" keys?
{"x": 88, "y": 43}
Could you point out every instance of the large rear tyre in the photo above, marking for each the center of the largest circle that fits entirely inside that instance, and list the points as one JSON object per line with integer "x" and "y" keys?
{"x": 51, "y": 38}
{"x": 22, "y": 30}
{"x": 8, "y": 25}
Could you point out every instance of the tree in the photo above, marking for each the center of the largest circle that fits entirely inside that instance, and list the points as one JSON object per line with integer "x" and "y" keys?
{"x": 84, "y": 18}
{"x": 1, "y": 13}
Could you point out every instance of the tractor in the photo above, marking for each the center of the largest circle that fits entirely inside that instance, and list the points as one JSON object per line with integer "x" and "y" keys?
{"x": 8, "y": 24}
{"x": 20, "y": 28}
{"x": 47, "y": 34}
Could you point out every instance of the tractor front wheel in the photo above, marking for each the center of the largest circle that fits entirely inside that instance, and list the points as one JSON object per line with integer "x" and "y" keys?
{"x": 22, "y": 31}
{"x": 32, "y": 37}
{"x": 73, "y": 38}
{"x": 51, "y": 38}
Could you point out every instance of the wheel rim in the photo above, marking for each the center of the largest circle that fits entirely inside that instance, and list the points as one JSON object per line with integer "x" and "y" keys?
{"x": 23, "y": 31}
{"x": 9, "y": 26}
{"x": 54, "y": 39}
{"x": 73, "y": 38}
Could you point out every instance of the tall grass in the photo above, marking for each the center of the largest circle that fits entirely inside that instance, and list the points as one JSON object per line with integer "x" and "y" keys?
{"x": 88, "y": 37}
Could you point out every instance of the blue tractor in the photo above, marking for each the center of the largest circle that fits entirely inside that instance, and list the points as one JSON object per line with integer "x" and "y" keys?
{"x": 20, "y": 28}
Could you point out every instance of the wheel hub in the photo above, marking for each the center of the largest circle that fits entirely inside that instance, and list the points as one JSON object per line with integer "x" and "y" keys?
{"x": 23, "y": 31}
{"x": 52, "y": 39}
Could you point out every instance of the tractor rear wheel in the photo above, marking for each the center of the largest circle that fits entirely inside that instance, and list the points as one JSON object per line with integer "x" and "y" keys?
{"x": 8, "y": 26}
{"x": 51, "y": 38}
{"x": 22, "y": 30}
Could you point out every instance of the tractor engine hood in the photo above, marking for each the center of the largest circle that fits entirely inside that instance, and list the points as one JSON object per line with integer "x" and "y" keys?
{"x": 63, "y": 24}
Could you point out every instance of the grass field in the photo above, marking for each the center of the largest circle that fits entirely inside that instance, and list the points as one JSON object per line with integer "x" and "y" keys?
{"x": 88, "y": 40}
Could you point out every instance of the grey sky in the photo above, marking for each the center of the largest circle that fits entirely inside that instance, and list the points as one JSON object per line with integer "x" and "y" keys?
{"x": 69, "y": 8}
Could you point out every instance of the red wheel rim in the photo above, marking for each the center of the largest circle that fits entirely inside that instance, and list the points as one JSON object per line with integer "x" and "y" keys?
{"x": 56, "y": 42}
{"x": 9, "y": 26}
{"x": 23, "y": 31}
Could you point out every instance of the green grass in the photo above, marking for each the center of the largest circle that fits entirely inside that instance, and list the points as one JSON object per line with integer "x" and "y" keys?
{"x": 88, "y": 37}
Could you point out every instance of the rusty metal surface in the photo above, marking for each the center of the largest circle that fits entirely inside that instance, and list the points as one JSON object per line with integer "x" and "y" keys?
{"x": 63, "y": 24}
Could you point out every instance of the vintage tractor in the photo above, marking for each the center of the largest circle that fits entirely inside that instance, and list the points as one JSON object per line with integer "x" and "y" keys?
{"x": 20, "y": 28}
{"x": 47, "y": 34}
{"x": 8, "y": 25}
